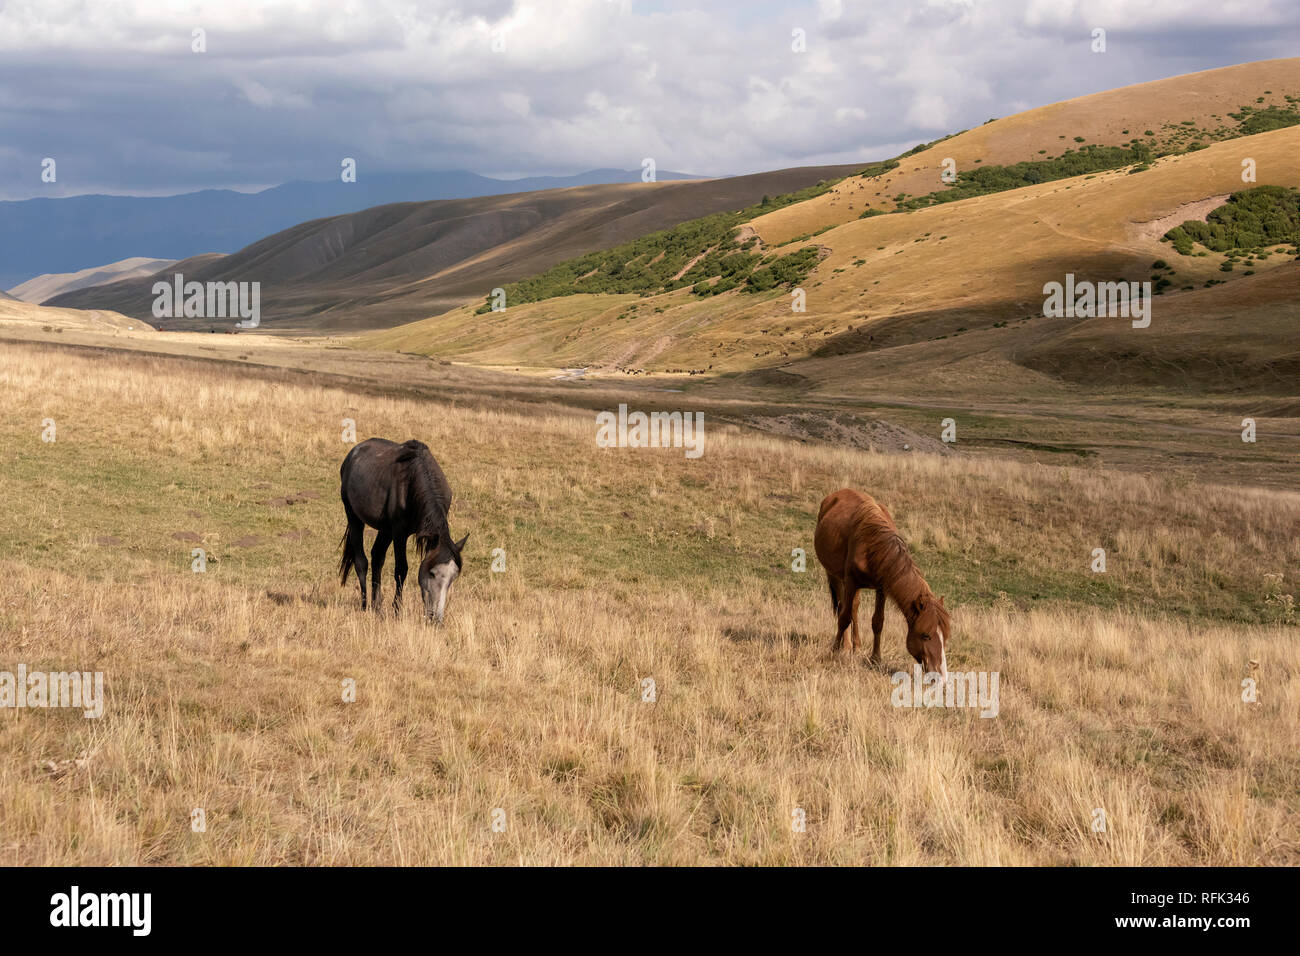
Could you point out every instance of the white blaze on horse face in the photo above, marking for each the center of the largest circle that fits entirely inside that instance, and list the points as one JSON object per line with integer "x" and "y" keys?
{"x": 440, "y": 584}
{"x": 943, "y": 655}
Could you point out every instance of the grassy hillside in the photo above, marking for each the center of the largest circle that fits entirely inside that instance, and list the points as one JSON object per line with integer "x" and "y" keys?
{"x": 223, "y": 688}
{"x": 944, "y": 271}
{"x": 713, "y": 256}
{"x": 403, "y": 261}
{"x": 1164, "y": 116}
{"x": 710, "y": 255}
{"x": 22, "y": 317}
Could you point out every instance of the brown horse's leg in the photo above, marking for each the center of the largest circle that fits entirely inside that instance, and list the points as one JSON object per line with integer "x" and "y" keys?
{"x": 377, "y": 554}
{"x": 877, "y": 622}
{"x": 848, "y": 598}
{"x": 856, "y": 642}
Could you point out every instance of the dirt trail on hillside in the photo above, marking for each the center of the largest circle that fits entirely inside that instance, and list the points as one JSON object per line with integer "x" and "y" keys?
{"x": 687, "y": 268}
{"x": 633, "y": 351}
{"x": 1155, "y": 228}
{"x": 620, "y": 360}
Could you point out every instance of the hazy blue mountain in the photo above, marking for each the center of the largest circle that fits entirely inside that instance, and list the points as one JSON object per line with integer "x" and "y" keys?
{"x": 39, "y": 236}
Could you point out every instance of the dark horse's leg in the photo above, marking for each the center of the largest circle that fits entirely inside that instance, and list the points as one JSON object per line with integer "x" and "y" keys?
{"x": 835, "y": 594}
{"x": 848, "y": 601}
{"x": 877, "y": 622}
{"x": 356, "y": 546}
{"x": 399, "y": 569}
{"x": 377, "y": 553}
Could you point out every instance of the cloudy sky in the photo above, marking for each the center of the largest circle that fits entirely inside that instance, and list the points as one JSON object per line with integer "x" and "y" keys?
{"x": 113, "y": 90}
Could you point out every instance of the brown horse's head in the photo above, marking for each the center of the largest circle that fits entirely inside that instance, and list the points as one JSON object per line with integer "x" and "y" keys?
{"x": 440, "y": 565}
{"x": 928, "y": 633}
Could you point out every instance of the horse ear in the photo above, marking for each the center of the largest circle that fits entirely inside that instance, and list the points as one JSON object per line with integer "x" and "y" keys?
{"x": 918, "y": 606}
{"x": 942, "y": 605}
{"x": 460, "y": 545}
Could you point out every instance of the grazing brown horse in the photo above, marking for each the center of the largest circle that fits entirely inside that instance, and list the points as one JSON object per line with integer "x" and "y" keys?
{"x": 859, "y": 546}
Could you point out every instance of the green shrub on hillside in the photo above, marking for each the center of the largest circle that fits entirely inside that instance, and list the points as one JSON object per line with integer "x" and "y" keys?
{"x": 788, "y": 270}
{"x": 994, "y": 179}
{"x": 876, "y": 169}
{"x": 1250, "y": 219}
{"x": 1262, "y": 121}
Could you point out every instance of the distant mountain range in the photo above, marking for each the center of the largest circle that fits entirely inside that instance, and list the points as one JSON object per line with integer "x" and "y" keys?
{"x": 41, "y": 236}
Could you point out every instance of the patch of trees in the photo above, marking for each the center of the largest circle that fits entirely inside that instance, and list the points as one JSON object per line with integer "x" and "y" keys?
{"x": 876, "y": 169}
{"x": 1254, "y": 120}
{"x": 1250, "y": 219}
{"x": 996, "y": 179}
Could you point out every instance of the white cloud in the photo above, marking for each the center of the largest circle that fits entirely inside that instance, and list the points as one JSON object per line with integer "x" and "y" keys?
{"x": 929, "y": 112}
{"x": 286, "y": 88}
{"x": 265, "y": 98}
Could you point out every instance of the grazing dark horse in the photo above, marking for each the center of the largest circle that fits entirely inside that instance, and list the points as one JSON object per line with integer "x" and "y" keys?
{"x": 400, "y": 491}
{"x": 859, "y": 546}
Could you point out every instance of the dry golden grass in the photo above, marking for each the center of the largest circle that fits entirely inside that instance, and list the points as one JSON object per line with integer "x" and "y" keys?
{"x": 24, "y": 316}
{"x": 224, "y": 688}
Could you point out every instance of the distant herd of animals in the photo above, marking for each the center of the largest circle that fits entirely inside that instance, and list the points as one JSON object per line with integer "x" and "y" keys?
{"x": 401, "y": 492}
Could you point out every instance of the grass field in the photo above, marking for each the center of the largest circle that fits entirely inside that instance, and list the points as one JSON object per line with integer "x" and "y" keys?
{"x": 1120, "y": 692}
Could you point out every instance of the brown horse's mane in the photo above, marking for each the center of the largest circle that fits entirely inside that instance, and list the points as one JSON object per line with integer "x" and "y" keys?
{"x": 891, "y": 563}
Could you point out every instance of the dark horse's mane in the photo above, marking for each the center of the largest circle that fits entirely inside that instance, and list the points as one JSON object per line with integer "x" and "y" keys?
{"x": 428, "y": 489}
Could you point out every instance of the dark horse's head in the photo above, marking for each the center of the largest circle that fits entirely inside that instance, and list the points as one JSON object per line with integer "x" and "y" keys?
{"x": 440, "y": 565}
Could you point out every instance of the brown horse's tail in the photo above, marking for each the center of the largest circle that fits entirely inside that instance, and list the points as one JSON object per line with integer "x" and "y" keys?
{"x": 345, "y": 562}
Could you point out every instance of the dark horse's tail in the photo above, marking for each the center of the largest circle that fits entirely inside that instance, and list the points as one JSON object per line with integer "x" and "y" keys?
{"x": 345, "y": 562}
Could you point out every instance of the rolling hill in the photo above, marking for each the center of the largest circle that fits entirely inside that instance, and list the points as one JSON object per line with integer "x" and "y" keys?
{"x": 26, "y": 316}
{"x": 72, "y": 233}
{"x": 47, "y": 286}
{"x": 1167, "y": 114}
{"x": 395, "y": 263}
{"x": 951, "y": 295}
